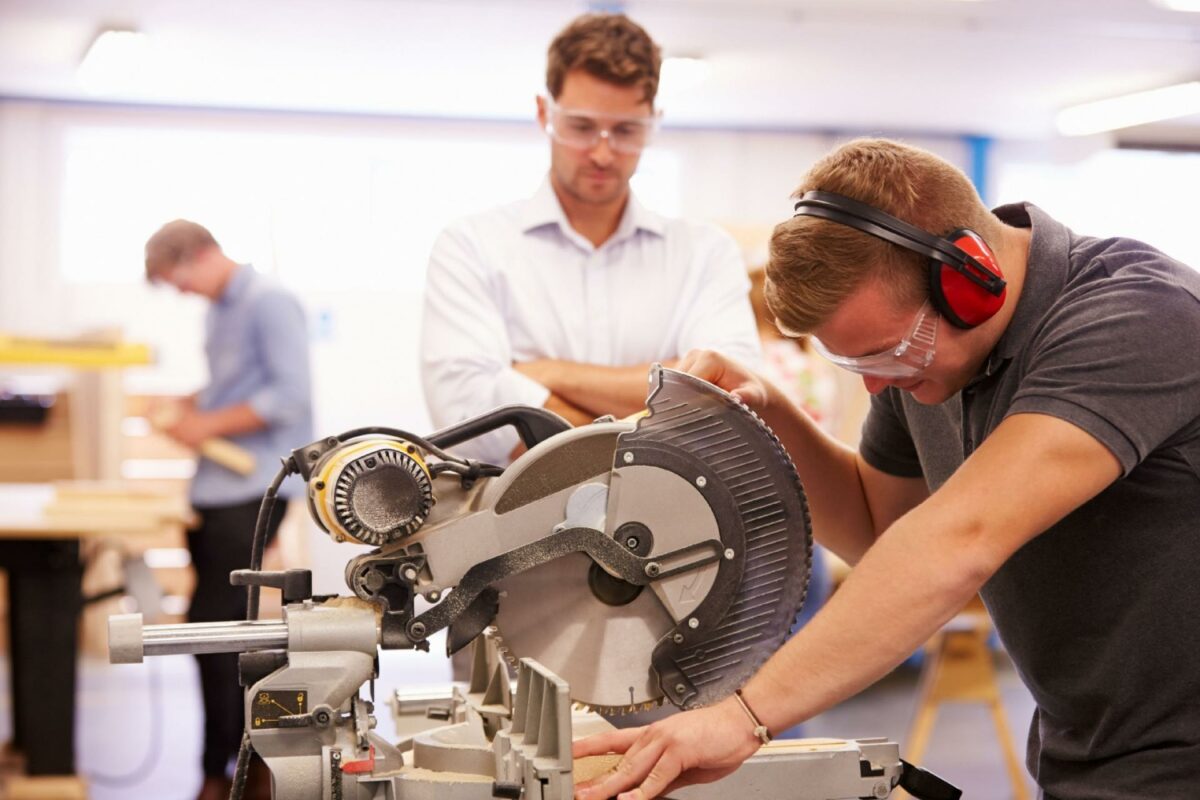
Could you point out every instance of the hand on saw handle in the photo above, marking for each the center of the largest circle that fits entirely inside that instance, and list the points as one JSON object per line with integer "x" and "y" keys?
{"x": 698, "y": 746}
{"x": 725, "y": 373}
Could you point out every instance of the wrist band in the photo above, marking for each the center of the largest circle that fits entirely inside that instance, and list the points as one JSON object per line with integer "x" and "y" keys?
{"x": 760, "y": 730}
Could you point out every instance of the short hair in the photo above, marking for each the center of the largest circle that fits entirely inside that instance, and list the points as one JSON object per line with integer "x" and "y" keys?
{"x": 173, "y": 243}
{"x": 763, "y": 317}
{"x": 815, "y": 264}
{"x": 610, "y": 47}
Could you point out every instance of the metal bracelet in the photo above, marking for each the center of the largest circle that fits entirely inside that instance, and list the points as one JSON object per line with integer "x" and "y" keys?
{"x": 760, "y": 730}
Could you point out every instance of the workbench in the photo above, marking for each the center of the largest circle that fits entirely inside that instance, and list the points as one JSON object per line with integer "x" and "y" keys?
{"x": 40, "y": 552}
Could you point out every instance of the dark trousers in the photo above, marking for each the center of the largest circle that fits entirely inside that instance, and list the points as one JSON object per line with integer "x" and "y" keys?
{"x": 218, "y": 546}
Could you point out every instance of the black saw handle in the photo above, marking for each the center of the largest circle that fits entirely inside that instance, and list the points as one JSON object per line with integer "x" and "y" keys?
{"x": 925, "y": 785}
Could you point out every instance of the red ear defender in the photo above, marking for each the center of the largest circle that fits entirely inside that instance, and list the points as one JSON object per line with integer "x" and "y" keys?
{"x": 965, "y": 284}
{"x": 961, "y": 300}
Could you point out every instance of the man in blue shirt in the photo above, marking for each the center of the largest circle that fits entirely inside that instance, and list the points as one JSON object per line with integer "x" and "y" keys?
{"x": 259, "y": 397}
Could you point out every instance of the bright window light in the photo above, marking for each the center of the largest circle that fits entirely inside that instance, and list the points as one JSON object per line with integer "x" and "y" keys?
{"x": 116, "y": 61}
{"x": 1180, "y": 5}
{"x": 1080, "y": 195}
{"x": 1127, "y": 110}
{"x": 351, "y": 211}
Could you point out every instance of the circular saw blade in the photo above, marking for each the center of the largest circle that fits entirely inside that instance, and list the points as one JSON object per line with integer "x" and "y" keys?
{"x": 699, "y": 467}
{"x": 597, "y": 632}
{"x": 551, "y": 614}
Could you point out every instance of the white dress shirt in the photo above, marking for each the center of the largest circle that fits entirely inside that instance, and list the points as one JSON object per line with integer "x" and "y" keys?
{"x": 518, "y": 283}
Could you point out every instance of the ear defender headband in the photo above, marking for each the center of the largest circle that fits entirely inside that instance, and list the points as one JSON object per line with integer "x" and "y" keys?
{"x": 965, "y": 283}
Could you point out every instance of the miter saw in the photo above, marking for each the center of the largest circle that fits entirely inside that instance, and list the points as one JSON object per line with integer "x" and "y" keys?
{"x": 616, "y": 565}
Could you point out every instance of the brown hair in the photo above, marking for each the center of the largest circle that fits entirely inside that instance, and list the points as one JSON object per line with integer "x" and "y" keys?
{"x": 815, "y": 264}
{"x": 174, "y": 242}
{"x": 611, "y": 47}
{"x": 763, "y": 318}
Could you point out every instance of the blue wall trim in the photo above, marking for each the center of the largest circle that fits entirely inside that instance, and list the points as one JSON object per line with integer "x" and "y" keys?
{"x": 978, "y": 150}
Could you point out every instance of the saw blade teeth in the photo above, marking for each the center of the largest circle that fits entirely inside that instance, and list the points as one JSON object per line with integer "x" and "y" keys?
{"x": 576, "y": 704}
{"x": 503, "y": 650}
{"x": 620, "y": 711}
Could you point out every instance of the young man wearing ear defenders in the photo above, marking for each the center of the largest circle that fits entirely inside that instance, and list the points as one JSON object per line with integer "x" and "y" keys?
{"x": 1034, "y": 436}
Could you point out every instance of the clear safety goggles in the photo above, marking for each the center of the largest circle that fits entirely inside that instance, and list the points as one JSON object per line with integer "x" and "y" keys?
{"x": 906, "y": 360}
{"x": 582, "y": 129}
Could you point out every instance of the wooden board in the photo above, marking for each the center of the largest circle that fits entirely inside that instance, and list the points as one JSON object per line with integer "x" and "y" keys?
{"x": 58, "y": 787}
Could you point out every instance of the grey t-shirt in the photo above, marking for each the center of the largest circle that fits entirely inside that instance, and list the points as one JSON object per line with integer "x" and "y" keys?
{"x": 1101, "y": 612}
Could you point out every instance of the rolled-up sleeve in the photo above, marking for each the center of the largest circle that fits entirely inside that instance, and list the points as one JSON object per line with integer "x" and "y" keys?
{"x": 466, "y": 355}
{"x": 279, "y": 325}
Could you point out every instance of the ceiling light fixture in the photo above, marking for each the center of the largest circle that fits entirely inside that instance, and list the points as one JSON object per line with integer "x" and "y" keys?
{"x": 115, "y": 61}
{"x": 1180, "y": 5}
{"x": 1139, "y": 108}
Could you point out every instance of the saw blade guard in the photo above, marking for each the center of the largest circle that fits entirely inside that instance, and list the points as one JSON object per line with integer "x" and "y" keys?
{"x": 733, "y": 614}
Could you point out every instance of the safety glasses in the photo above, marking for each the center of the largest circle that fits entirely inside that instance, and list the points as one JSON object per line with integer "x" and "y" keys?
{"x": 907, "y": 359}
{"x": 582, "y": 129}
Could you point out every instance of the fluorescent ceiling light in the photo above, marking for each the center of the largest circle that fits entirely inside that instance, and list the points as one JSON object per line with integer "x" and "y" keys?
{"x": 1127, "y": 110}
{"x": 1180, "y": 5}
{"x": 116, "y": 61}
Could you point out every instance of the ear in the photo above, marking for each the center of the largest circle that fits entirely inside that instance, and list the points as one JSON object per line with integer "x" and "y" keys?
{"x": 541, "y": 111}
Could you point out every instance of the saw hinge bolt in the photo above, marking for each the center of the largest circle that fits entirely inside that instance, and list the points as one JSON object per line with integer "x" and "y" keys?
{"x": 729, "y": 554}
{"x": 677, "y": 638}
{"x": 702, "y": 481}
{"x": 628, "y": 457}
{"x": 693, "y": 623}
{"x": 653, "y": 568}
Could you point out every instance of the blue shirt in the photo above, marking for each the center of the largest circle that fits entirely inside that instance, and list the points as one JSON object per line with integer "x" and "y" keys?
{"x": 256, "y": 343}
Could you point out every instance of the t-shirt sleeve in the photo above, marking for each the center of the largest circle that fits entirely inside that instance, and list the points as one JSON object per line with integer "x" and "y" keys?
{"x": 1120, "y": 362}
{"x": 886, "y": 442}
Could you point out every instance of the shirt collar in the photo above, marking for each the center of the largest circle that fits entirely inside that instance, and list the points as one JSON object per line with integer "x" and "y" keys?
{"x": 1045, "y": 276}
{"x": 237, "y": 285}
{"x": 543, "y": 209}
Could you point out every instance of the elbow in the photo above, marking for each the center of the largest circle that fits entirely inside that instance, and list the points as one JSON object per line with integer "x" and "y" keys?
{"x": 980, "y": 550}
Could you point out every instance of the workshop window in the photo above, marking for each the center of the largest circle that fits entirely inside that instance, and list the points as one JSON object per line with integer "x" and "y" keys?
{"x": 1148, "y": 195}
{"x": 318, "y": 211}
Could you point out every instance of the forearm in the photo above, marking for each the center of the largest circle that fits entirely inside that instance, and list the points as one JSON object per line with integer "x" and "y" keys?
{"x": 901, "y": 592}
{"x": 568, "y": 411}
{"x": 233, "y": 420}
{"x": 600, "y": 390}
{"x": 828, "y": 471}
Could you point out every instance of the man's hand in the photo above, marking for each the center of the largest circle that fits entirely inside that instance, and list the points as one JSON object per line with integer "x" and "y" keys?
{"x": 693, "y": 747}
{"x": 729, "y": 375}
{"x": 191, "y": 428}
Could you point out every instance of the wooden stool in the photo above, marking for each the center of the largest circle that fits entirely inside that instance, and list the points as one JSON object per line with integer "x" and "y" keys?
{"x": 958, "y": 668}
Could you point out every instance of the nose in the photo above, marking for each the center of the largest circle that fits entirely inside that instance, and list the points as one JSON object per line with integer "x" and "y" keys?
{"x": 602, "y": 154}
